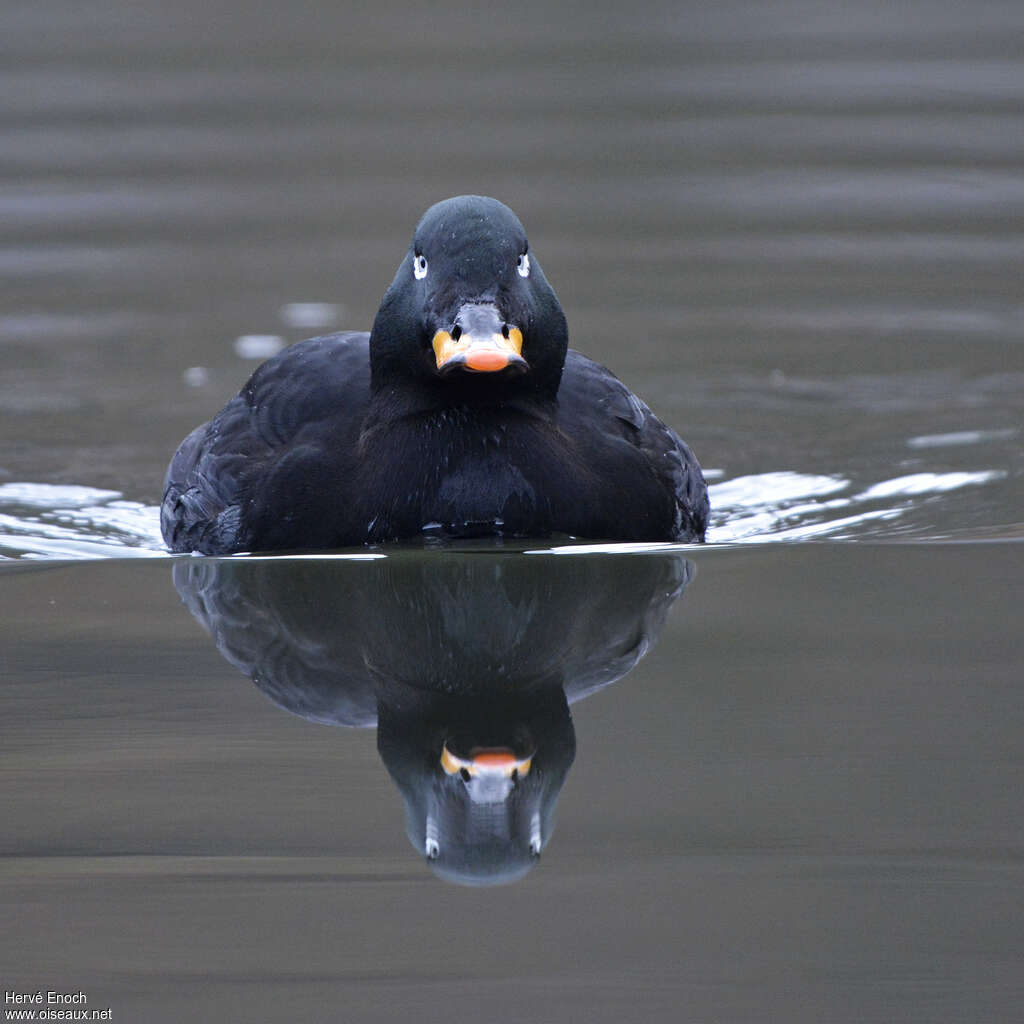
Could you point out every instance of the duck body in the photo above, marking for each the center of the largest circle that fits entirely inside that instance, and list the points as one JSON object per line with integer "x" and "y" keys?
{"x": 463, "y": 413}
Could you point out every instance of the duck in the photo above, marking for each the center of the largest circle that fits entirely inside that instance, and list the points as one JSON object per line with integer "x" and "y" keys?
{"x": 462, "y": 413}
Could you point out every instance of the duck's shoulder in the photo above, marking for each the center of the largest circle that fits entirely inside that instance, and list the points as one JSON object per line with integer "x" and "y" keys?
{"x": 285, "y": 399}
{"x": 591, "y": 390}
{"x": 596, "y": 407}
{"x": 306, "y": 383}
{"x": 301, "y": 402}
{"x": 593, "y": 398}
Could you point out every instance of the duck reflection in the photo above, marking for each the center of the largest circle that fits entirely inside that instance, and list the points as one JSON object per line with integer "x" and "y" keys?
{"x": 466, "y": 662}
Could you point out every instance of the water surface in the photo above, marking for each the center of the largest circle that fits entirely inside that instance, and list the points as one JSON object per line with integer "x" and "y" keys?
{"x": 795, "y": 231}
{"x": 805, "y": 797}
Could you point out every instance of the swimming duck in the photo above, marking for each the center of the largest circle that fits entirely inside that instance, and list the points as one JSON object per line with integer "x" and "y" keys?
{"x": 462, "y": 413}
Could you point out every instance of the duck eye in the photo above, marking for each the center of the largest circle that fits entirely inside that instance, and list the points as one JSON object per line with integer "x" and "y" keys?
{"x": 419, "y": 266}
{"x": 523, "y": 265}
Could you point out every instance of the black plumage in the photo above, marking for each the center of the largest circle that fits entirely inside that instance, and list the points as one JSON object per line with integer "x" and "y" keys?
{"x": 462, "y": 413}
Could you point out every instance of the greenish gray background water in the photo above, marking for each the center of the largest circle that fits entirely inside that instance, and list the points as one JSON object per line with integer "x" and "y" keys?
{"x": 796, "y": 230}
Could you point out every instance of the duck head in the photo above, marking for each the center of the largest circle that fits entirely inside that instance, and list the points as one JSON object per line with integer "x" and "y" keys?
{"x": 469, "y": 313}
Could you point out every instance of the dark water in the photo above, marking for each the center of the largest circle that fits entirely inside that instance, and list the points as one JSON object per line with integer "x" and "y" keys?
{"x": 797, "y": 230}
{"x": 803, "y": 804}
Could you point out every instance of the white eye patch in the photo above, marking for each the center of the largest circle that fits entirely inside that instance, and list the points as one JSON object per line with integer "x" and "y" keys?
{"x": 523, "y": 265}
{"x": 419, "y": 266}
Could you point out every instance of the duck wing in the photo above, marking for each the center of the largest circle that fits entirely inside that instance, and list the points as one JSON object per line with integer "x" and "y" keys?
{"x": 229, "y": 471}
{"x": 595, "y": 401}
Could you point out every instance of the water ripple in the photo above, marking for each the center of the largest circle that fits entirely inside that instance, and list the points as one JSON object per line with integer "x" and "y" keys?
{"x": 53, "y": 521}
{"x": 72, "y": 521}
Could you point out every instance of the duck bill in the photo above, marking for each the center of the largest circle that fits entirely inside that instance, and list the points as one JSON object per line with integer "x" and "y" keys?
{"x": 480, "y": 341}
{"x": 486, "y": 762}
